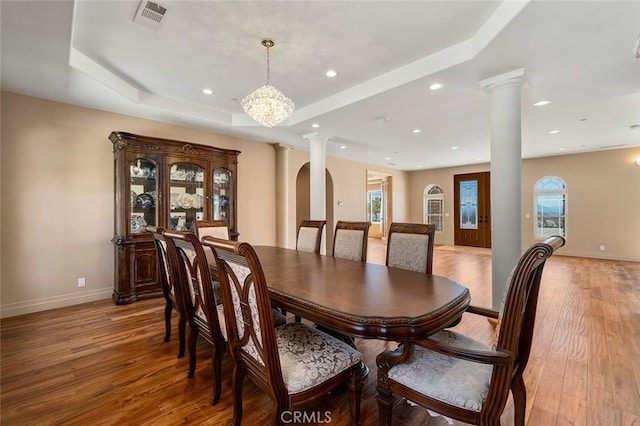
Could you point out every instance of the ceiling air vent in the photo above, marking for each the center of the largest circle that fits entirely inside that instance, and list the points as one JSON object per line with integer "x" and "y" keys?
{"x": 150, "y": 15}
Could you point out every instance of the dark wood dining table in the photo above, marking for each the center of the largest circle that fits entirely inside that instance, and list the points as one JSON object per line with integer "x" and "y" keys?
{"x": 363, "y": 300}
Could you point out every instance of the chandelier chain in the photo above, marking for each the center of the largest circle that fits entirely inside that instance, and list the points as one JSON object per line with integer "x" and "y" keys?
{"x": 268, "y": 66}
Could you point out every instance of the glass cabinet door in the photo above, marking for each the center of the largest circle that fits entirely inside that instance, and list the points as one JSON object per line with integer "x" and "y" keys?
{"x": 186, "y": 191}
{"x": 222, "y": 193}
{"x": 143, "y": 191}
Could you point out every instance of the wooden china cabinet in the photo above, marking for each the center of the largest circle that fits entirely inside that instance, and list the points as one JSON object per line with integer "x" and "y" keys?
{"x": 165, "y": 183}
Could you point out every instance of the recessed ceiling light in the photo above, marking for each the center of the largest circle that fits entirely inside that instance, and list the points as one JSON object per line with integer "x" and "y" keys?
{"x": 315, "y": 125}
{"x": 553, "y": 132}
{"x": 343, "y": 147}
{"x": 561, "y": 149}
{"x": 416, "y": 130}
{"x": 207, "y": 91}
{"x": 542, "y": 103}
{"x": 455, "y": 147}
{"x": 331, "y": 73}
{"x": 387, "y": 158}
{"x": 436, "y": 86}
{"x": 419, "y": 166}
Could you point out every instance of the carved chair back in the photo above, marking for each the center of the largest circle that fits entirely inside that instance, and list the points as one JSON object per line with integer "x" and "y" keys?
{"x": 190, "y": 270}
{"x": 212, "y": 228}
{"x": 350, "y": 240}
{"x": 410, "y": 246}
{"x": 310, "y": 235}
{"x": 173, "y": 299}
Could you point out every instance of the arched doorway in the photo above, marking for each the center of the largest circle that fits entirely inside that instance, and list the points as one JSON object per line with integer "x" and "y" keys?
{"x": 303, "y": 202}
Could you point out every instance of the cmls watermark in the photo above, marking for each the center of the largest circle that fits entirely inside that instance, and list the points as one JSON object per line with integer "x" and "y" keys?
{"x": 301, "y": 417}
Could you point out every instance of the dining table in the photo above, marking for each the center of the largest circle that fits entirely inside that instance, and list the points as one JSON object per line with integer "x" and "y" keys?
{"x": 364, "y": 300}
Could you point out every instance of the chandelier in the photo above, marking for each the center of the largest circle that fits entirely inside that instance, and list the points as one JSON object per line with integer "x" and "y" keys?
{"x": 267, "y": 105}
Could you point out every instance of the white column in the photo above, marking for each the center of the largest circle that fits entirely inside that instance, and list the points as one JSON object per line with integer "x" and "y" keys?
{"x": 317, "y": 178}
{"x": 282, "y": 194}
{"x": 317, "y": 160}
{"x": 506, "y": 181}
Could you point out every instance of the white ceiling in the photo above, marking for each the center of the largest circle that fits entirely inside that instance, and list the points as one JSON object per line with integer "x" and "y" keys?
{"x": 577, "y": 54}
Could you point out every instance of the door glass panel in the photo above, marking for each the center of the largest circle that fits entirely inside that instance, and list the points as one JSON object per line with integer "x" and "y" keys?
{"x": 222, "y": 195}
{"x": 469, "y": 204}
{"x": 143, "y": 189}
{"x": 186, "y": 192}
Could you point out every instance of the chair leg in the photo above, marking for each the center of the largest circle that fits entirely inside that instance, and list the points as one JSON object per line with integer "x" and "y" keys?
{"x": 355, "y": 394}
{"x": 182, "y": 326}
{"x": 167, "y": 320}
{"x": 277, "y": 413}
{"x": 236, "y": 386}
{"x": 217, "y": 374}
{"x": 298, "y": 319}
{"x": 385, "y": 406}
{"x": 193, "y": 338}
{"x": 519, "y": 391}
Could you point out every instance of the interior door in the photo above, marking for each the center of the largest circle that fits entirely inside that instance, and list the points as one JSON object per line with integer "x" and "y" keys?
{"x": 472, "y": 209}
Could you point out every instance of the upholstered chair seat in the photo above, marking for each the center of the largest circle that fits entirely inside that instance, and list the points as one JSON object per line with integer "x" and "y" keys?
{"x": 309, "y": 357}
{"x": 445, "y": 378}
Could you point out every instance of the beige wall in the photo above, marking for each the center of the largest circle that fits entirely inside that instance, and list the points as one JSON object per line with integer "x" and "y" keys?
{"x": 603, "y": 201}
{"x": 56, "y": 213}
{"x": 57, "y": 198}
{"x": 56, "y": 187}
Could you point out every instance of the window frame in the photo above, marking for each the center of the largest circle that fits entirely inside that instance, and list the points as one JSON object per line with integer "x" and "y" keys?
{"x": 370, "y": 204}
{"x": 538, "y": 232}
{"x": 426, "y": 197}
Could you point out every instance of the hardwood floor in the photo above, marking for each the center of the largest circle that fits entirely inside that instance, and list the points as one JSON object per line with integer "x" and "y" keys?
{"x": 102, "y": 364}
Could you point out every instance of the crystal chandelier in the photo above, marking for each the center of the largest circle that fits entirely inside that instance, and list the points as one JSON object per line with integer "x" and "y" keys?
{"x": 267, "y": 105}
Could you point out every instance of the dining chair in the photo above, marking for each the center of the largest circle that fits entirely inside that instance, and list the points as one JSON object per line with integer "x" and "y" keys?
{"x": 308, "y": 240}
{"x": 310, "y": 235}
{"x": 350, "y": 240}
{"x": 410, "y": 246}
{"x": 190, "y": 270}
{"x": 461, "y": 378}
{"x": 217, "y": 229}
{"x": 172, "y": 297}
{"x": 293, "y": 363}
{"x": 214, "y": 228}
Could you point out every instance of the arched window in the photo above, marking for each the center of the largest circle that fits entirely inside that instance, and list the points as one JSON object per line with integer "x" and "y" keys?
{"x": 434, "y": 206}
{"x": 550, "y": 200}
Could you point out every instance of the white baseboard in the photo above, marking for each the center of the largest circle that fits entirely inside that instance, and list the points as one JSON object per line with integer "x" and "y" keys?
{"x": 47, "y": 303}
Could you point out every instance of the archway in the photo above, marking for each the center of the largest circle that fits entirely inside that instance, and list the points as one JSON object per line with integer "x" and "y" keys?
{"x": 303, "y": 202}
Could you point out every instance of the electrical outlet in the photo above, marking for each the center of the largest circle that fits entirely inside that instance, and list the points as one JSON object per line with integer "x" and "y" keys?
{"x": 601, "y": 248}
{"x": 82, "y": 282}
